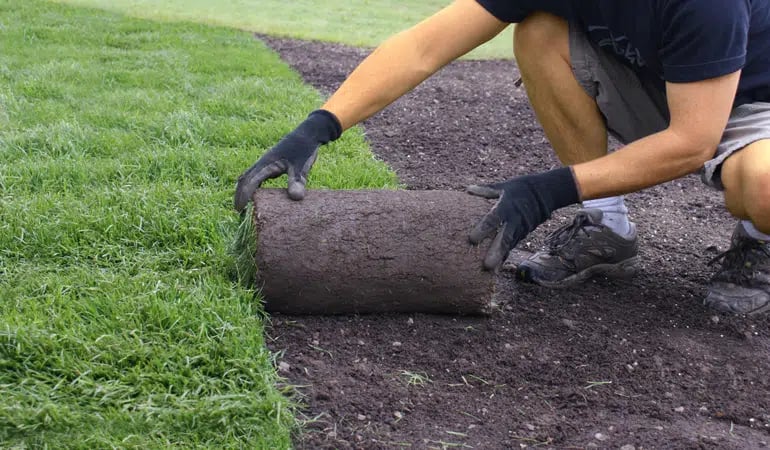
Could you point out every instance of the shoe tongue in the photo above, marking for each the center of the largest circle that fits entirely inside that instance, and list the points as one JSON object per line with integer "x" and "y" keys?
{"x": 740, "y": 236}
{"x": 594, "y": 215}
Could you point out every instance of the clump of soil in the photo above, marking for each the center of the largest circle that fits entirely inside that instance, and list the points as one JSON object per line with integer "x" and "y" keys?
{"x": 634, "y": 364}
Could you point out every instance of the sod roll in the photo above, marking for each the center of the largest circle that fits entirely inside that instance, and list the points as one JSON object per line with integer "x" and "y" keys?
{"x": 342, "y": 252}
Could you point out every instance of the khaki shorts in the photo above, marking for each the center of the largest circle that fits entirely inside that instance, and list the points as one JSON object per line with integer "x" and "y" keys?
{"x": 633, "y": 108}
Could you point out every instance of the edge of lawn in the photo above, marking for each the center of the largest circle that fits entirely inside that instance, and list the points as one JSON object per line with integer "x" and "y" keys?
{"x": 122, "y": 321}
{"x": 360, "y": 24}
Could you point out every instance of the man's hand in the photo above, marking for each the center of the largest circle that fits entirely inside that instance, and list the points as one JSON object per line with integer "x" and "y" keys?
{"x": 524, "y": 203}
{"x": 293, "y": 155}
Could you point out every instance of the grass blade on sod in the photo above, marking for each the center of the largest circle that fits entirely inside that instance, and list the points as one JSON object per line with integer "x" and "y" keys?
{"x": 120, "y": 141}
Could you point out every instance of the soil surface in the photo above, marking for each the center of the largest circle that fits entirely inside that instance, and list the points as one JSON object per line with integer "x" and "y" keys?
{"x": 632, "y": 364}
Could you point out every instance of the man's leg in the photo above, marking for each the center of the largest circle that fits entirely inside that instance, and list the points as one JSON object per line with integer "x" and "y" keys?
{"x": 570, "y": 117}
{"x": 746, "y": 179}
{"x": 742, "y": 284}
{"x": 575, "y": 126}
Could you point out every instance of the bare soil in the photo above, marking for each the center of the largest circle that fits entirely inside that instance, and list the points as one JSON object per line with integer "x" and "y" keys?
{"x": 609, "y": 364}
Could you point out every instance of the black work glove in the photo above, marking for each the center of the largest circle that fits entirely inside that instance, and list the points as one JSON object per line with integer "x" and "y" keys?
{"x": 524, "y": 203}
{"x": 293, "y": 155}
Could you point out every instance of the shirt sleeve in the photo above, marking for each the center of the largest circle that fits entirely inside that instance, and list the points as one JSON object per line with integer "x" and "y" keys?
{"x": 506, "y": 10}
{"x": 703, "y": 39}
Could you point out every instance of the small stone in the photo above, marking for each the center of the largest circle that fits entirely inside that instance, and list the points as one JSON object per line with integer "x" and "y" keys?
{"x": 628, "y": 447}
{"x": 361, "y": 417}
{"x": 530, "y": 427}
{"x": 715, "y": 319}
{"x": 508, "y": 346}
{"x": 283, "y": 367}
{"x": 669, "y": 395}
{"x": 396, "y": 344}
{"x": 410, "y": 321}
{"x": 398, "y": 415}
{"x": 360, "y": 342}
{"x": 600, "y": 437}
{"x": 703, "y": 410}
{"x": 679, "y": 409}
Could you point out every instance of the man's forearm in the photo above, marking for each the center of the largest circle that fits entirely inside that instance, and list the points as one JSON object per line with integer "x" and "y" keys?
{"x": 650, "y": 161}
{"x": 389, "y": 72}
{"x": 408, "y": 58}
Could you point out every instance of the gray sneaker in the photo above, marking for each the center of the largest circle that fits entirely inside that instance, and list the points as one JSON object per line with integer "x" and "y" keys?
{"x": 580, "y": 250}
{"x": 742, "y": 284}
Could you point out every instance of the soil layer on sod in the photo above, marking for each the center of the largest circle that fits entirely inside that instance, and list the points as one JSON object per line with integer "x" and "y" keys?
{"x": 608, "y": 364}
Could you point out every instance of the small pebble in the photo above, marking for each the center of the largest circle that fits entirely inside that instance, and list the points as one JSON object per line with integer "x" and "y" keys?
{"x": 283, "y": 367}
{"x": 410, "y": 321}
{"x": 530, "y": 427}
{"x": 679, "y": 409}
{"x": 361, "y": 417}
{"x": 396, "y": 344}
{"x": 398, "y": 415}
{"x": 600, "y": 437}
{"x": 628, "y": 447}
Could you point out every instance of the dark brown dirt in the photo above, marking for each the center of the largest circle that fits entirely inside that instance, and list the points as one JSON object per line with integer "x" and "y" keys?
{"x": 610, "y": 364}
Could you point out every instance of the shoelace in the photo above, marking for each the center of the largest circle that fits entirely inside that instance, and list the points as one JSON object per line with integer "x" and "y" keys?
{"x": 738, "y": 261}
{"x": 564, "y": 234}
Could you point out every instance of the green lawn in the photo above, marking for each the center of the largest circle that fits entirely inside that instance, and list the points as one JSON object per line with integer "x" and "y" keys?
{"x": 121, "y": 324}
{"x": 356, "y": 22}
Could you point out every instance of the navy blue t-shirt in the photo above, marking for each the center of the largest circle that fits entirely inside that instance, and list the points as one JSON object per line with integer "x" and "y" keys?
{"x": 673, "y": 40}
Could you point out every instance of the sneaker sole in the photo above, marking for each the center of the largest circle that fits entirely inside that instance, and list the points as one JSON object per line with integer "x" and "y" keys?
{"x": 726, "y": 308}
{"x": 624, "y": 269}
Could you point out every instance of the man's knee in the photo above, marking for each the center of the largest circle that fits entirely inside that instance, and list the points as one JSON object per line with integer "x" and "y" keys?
{"x": 747, "y": 188}
{"x": 540, "y": 36}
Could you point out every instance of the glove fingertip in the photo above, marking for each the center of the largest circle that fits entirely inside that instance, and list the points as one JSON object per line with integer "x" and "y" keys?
{"x": 296, "y": 191}
{"x": 492, "y": 261}
{"x": 241, "y": 197}
{"x": 482, "y": 191}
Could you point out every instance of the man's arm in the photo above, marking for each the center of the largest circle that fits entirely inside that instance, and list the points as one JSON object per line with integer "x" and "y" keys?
{"x": 699, "y": 114}
{"x": 406, "y": 59}
{"x": 398, "y": 65}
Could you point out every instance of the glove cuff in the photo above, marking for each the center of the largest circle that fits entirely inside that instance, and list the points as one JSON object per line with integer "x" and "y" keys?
{"x": 559, "y": 187}
{"x": 325, "y": 125}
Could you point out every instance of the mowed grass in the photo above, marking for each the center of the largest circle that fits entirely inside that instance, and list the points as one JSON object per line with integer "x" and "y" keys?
{"x": 121, "y": 323}
{"x": 360, "y": 22}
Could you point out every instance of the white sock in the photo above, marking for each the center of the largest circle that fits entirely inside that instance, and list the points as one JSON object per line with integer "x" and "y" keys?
{"x": 752, "y": 231}
{"x": 615, "y": 213}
